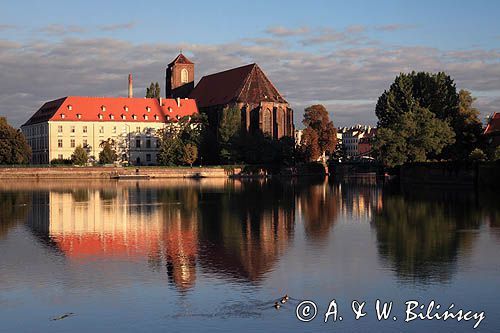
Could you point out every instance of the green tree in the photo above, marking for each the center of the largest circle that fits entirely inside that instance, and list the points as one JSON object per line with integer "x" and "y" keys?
{"x": 79, "y": 156}
{"x": 437, "y": 94}
{"x": 153, "y": 91}
{"x": 14, "y": 148}
{"x": 170, "y": 152}
{"x": 229, "y": 135}
{"x": 412, "y": 137}
{"x": 190, "y": 154}
{"x": 108, "y": 153}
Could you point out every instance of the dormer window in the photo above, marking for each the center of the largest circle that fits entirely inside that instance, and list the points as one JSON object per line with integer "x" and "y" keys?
{"x": 145, "y": 117}
{"x": 169, "y": 109}
{"x": 70, "y": 107}
{"x": 103, "y": 108}
{"x": 79, "y": 116}
{"x": 134, "y": 117}
{"x": 148, "y": 108}
{"x": 100, "y": 116}
{"x": 168, "y": 117}
{"x": 63, "y": 115}
{"x": 124, "y": 117}
{"x": 125, "y": 108}
{"x": 156, "y": 117}
{"x": 111, "y": 116}
{"x": 178, "y": 117}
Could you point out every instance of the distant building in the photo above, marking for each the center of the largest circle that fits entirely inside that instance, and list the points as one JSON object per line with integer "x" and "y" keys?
{"x": 356, "y": 140}
{"x": 492, "y": 130}
{"x": 298, "y": 137}
{"x": 61, "y": 125}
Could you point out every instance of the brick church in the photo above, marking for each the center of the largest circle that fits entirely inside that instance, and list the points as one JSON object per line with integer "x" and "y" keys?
{"x": 246, "y": 88}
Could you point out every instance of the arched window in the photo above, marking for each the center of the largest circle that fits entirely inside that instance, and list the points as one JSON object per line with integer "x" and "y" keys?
{"x": 267, "y": 122}
{"x": 184, "y": 76}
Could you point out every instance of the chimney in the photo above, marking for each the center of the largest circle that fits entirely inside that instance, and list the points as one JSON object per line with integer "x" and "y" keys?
{"x": 178, "y": 102}
{"x": 160, "y": 102}
{"x": 130, "y": 90}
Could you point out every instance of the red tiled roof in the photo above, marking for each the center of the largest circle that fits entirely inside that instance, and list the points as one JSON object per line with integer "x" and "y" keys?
{"x": 247, "y": 84}
{"x": 78, "y": 108}
{"x": 493, "y": 124}
{"x": 181, "y": 59}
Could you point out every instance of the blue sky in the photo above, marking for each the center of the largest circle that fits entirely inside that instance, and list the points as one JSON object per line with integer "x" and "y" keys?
{"x": 343, "y": 48}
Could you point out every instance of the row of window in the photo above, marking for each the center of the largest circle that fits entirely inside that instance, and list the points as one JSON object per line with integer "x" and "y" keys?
{"x": 38, "y": 143}
{"x": 72, "y": 129}
{"x": 35, "y": 130}
{"x": 138, "y": 143}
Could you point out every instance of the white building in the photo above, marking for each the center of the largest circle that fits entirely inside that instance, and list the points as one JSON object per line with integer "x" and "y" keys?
{"x": 351, "y": 136}
{"x": 61, "y": 125}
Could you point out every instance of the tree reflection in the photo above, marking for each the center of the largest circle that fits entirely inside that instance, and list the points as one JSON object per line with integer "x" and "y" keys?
{"x": 13, "y": 209}
{"x": 421, "y": 231}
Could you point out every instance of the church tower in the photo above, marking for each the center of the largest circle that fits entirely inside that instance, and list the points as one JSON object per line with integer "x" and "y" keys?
{"x": 179, "y": 79}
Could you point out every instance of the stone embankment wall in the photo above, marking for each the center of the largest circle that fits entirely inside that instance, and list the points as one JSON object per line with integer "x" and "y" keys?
{"x": 109, "y": 172}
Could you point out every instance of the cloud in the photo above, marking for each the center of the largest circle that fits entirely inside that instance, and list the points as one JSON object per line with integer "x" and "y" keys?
{"x": 4, "y": 27}
{"x": 118, "y": 26}
{"x": 348, "y": 79}
{"x": 395, "y": 27}
{"x": 280, "y": 31}
{"x": 59, "y": 29}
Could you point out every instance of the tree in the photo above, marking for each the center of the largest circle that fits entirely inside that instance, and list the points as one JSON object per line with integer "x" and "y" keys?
{"x": 153, "y": 91}
{"x": 79, "y": 156}
{"x": 437, "y": 94}
{"x": 309, "y": 146}
{"x": 14, "y": 148}
{"x": 170, "y": 152}
{"x": 467, "y": 126}
{"x": 320, "y": 135}
{"x": 229, "y": 134}
{"x": 108, "y": 153}
{"x": 190, "y": 154}
{"x": 477, "y": 155}
{"x": 412, "y": 137}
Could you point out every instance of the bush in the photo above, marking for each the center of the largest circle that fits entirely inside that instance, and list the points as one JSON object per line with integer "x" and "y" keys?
{"x": 79, "y": 156}
{"x": 61, "y": 161}
{"x": 477, "y": 155}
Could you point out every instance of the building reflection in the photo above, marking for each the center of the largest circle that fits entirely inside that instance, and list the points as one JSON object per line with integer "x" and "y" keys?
{"x": 238, "y": 230}
{"x": 14, "y": 207}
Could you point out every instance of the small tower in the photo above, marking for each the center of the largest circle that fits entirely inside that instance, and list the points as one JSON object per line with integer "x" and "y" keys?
{"x": 179, "y": 80}
{"x": 130, "y": 89}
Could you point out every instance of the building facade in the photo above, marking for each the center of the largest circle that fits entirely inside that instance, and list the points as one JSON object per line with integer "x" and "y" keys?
{"x": 246, "y": 88}
{"x": 131, "y": 124}
{"x": 356, "y": 140}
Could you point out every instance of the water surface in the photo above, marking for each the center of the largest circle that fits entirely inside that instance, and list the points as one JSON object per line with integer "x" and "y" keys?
{"x": 215, "y": 254}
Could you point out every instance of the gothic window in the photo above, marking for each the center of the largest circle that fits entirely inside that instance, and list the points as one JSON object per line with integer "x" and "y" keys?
{"x": 184, "y": 76}
{"x": 267, "y": 122}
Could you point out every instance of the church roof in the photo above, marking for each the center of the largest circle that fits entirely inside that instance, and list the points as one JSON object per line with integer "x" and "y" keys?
{"x": 117, "y": 109}
{"x": 247, "y": 84}
{"x": 181, "y": 59}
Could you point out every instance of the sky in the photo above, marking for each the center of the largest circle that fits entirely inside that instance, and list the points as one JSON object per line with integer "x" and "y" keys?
{"x": 342, "y": 54}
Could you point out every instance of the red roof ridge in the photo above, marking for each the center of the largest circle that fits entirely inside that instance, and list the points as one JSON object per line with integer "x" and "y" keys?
{"x": 228, "y": 70}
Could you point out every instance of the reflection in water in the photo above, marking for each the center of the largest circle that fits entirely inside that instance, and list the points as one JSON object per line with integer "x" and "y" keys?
{"x": 239, "y": 230}
{"x": 13, "y": 208}
{"x": 420, "y": 231}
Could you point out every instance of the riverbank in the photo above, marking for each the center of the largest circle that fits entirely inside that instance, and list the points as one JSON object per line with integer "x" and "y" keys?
{"x": 113, "y": 172}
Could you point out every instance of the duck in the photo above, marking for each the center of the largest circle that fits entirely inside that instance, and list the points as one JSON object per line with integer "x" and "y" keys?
{"x": 277, "y": 305}
{"x": 284, "y": 299}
